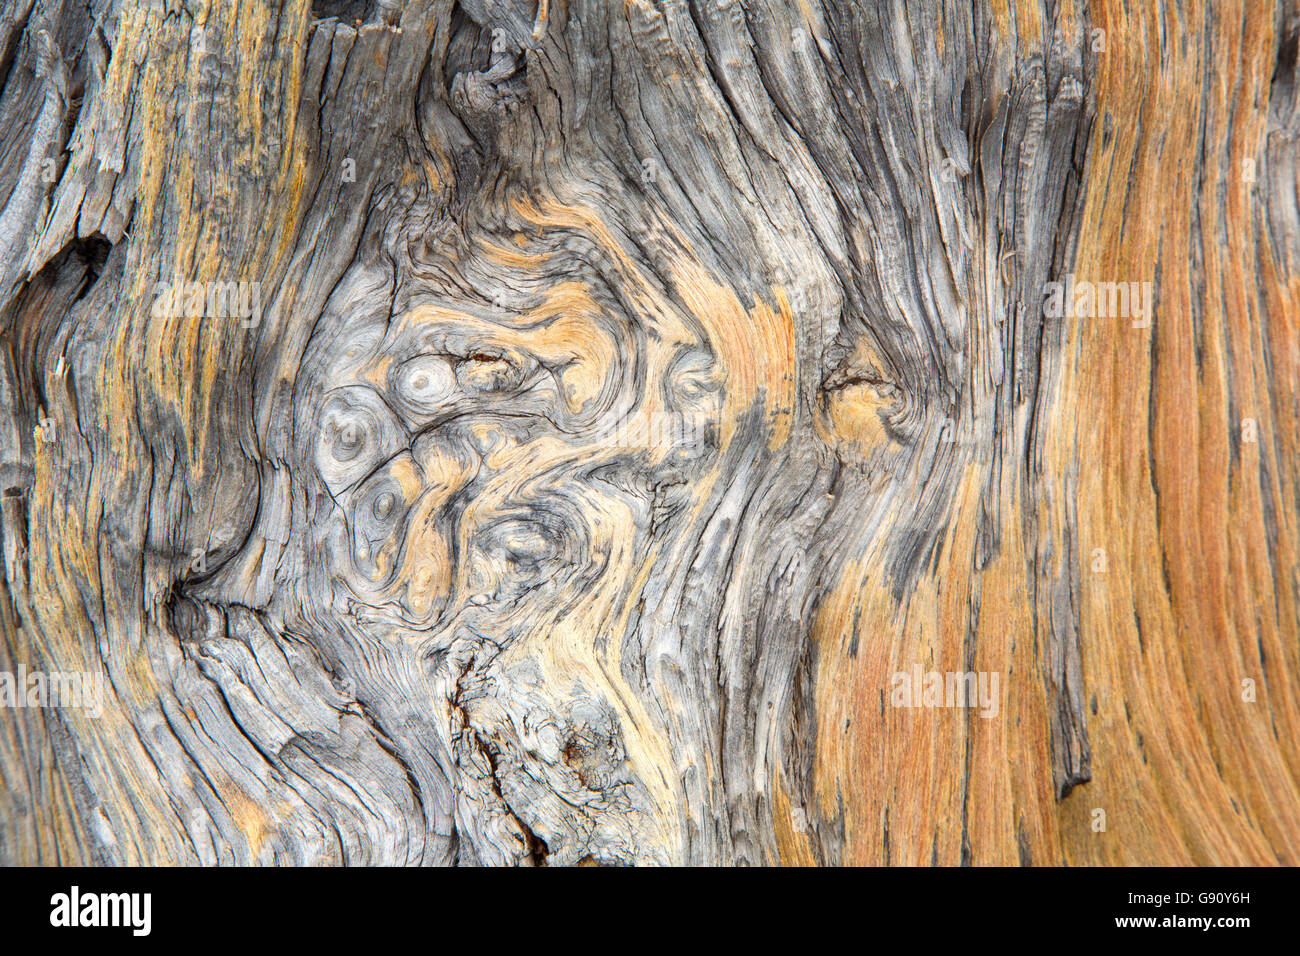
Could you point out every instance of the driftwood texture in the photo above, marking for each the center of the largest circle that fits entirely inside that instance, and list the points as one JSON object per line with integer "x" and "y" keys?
{"x": 637, "y": 387}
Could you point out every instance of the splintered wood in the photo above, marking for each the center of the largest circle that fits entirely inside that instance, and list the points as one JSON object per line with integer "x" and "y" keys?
{"x": 661, "y": 433}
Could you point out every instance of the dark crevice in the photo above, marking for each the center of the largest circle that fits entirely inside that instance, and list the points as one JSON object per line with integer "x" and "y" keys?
{"x": 348, "y": 11}
{"x": 535, "y": 847}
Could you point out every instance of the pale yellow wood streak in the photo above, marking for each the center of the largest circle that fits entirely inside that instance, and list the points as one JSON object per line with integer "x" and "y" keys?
{"x": 754, "y": 354}
{"x": 755, "y": 347}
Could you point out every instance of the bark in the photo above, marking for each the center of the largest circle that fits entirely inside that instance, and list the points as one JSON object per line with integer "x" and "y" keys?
{"x": 627, "y": 394}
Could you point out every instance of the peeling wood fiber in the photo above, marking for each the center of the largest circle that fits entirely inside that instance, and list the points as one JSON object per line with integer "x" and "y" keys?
{"x": 589, "y": 410}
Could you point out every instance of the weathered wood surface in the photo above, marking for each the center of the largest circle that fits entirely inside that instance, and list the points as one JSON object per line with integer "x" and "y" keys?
{"x": 638, "y": 387}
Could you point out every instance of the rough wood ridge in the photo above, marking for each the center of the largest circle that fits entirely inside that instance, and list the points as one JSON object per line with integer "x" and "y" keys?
{"x": 658, "y": 432}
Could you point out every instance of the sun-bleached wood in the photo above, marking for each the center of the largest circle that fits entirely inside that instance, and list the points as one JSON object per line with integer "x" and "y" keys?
{"x": 634, "y": 390}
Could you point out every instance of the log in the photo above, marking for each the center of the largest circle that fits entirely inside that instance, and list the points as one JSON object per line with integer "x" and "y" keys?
{"x": 556, "y": 432}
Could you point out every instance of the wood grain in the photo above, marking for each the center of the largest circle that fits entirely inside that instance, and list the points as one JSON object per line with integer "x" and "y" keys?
{"x": 628, "y": 400}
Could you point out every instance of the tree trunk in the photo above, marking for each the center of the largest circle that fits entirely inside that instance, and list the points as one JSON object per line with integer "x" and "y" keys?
{"x": 697, "y": 431}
